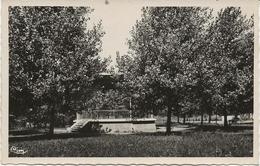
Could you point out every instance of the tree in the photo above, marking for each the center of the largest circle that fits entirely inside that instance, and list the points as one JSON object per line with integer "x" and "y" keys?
{"x": 53, "y": 56}
{"x": 110, "y": 99}
{"x": 165, "y": 43}
{"x": 232, "y": 51}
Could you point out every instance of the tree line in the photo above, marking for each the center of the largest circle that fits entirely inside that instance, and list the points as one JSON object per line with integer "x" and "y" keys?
{"x": 190, "y": 60}
{"x": 181, "y": 59}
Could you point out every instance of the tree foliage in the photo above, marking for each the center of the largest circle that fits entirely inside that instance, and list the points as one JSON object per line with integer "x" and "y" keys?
{"x": 184, "y": 59}
{"x": 53, "y": 55}
{"x": 166, "y": 42}
{"x": 232, "y": 52}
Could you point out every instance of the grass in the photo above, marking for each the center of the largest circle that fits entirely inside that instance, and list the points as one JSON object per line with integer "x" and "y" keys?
{"x": 197, "y": 144}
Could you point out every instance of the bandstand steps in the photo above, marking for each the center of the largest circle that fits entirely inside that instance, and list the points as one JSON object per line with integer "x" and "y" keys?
{"x": 78, "y": 125}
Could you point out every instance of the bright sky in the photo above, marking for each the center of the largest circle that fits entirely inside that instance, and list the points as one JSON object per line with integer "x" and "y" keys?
{"x": 117, "y": 21}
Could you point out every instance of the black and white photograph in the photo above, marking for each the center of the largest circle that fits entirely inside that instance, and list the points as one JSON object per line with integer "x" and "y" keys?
{"x": 115, "y": 79}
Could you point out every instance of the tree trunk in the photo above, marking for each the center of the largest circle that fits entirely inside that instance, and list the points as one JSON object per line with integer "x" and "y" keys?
{"x": 52, "y": 120}
{"x": 201, "y": 119}
{"x": 216, "y": 118}
{"x": 210, "y": 118}
{"x": 168, "y": 123}
{"x": 184, "y": 118}
{"x": 225, "y": 120}
{"x": 178, "y": 117}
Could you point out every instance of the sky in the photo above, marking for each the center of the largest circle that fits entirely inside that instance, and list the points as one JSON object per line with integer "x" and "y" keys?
{"x": 118, "y": 20}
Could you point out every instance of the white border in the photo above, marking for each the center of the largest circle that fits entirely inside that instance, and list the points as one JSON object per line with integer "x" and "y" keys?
{"x": 123, "y": 160}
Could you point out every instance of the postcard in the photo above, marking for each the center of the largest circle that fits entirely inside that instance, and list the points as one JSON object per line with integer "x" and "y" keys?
{"x": 129, "y": 82}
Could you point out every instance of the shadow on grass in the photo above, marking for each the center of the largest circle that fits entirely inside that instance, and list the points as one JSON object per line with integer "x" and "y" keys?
{"x": 15, "y": 132}
{"x": 190, "y": 129}
{"x": 196, "y": 128}
{"x": 214, "y": 128}
{"x": 46, "y": 136}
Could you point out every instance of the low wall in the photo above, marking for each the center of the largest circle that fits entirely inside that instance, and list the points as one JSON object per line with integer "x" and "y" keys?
{"x": 127, "y": 126}
{"x": 117, "y": 127}
{"x": 146, "y": 127}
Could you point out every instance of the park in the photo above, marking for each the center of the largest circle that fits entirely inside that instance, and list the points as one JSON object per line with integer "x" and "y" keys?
{"x": 182, "y": 88}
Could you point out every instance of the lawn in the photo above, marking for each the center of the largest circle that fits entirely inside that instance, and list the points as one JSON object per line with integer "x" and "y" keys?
{"x": 195, "y": 144}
